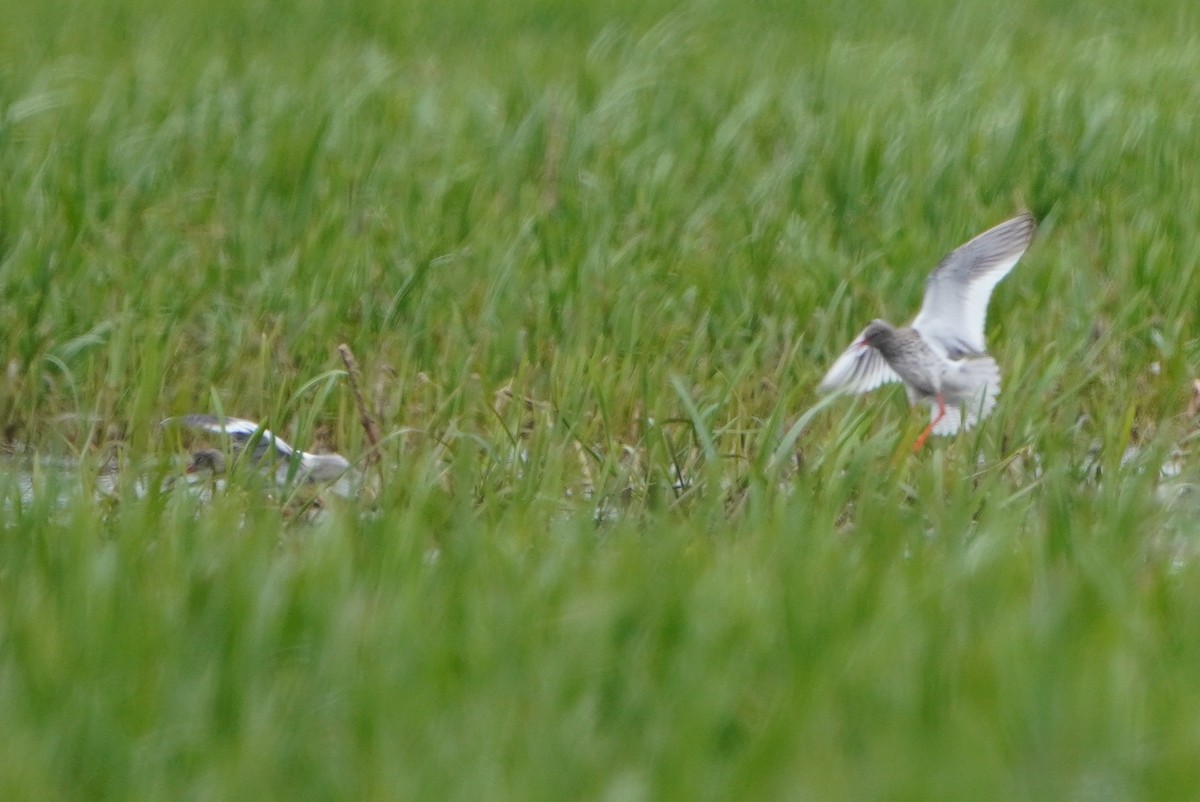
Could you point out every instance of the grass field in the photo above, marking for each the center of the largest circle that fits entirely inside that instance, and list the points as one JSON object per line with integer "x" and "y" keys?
{"x": 593, "y": 259}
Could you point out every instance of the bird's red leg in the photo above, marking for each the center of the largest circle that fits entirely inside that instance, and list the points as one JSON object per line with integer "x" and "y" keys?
{"x": 929, "y": 429}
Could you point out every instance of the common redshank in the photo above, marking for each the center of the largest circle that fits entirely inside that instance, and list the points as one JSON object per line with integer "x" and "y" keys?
{"x": 941, "y": 357}
{"x": 266, "y": 449}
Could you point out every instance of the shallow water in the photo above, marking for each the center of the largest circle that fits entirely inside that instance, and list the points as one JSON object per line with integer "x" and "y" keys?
{"x": 55, "y": 481}
{"x": 26, "y": 480}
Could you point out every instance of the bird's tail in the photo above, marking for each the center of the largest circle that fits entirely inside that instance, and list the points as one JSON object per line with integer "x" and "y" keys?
{"x": 970, "y": 389}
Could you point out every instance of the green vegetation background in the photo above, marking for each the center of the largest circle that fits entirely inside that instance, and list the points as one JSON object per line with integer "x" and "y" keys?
{"x": 593, "y": 257}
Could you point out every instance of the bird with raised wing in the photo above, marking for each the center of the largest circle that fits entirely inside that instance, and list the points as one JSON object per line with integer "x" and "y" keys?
{"x": 264, "y": 449}
{"x": 941, "y": 356}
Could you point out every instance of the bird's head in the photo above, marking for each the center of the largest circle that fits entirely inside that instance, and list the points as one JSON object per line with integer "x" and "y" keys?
{"x": 877, "y": 332}
{"x": 207, "y": 459}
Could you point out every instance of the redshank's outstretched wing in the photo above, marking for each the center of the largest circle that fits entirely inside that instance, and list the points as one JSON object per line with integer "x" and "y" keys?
{"x": 241, "y": 433}
{"x": 954, "y": 311}
{"x": 859, "y": 369}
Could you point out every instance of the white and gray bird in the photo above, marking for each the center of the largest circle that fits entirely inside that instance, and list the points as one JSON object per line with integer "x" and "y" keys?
{"x": 266, "y": 450}
{"x": 941, "y": 356}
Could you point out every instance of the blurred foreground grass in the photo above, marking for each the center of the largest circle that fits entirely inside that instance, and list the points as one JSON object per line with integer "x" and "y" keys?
{"x": 593, "y": 259}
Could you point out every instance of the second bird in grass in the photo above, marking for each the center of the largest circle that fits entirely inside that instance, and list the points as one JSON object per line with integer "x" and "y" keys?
{"x": 941, "y": 357}
{"x": 266, "y": 449}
